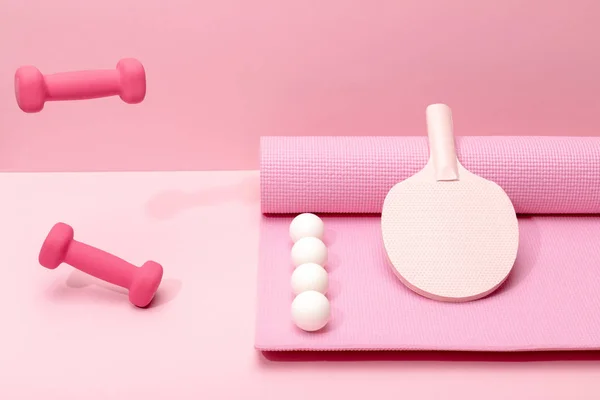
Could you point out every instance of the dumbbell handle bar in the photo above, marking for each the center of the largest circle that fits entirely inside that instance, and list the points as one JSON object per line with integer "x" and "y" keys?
{"x": 82, "y": 85}
{"x": 100, "y": 264}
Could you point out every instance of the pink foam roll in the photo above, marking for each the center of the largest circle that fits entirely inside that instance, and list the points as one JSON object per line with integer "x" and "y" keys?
{"x": 541, "y": 175}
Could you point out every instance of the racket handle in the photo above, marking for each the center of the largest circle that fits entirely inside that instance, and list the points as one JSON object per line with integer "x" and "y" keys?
{"x": 440, "y": 132}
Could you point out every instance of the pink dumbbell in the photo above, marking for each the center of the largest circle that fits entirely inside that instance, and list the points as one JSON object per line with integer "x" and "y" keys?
{"x": 33, "y": 89}
{"x": 60, "y": 247}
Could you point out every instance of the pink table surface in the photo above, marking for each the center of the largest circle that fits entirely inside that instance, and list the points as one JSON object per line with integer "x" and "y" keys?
{"x": 67, "y": 336}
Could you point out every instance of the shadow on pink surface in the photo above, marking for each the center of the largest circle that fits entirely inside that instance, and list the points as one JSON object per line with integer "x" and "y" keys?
{"x": 429, "y": 356}
{"x": 167, "y": 204}
{"x": 98, "y": 290}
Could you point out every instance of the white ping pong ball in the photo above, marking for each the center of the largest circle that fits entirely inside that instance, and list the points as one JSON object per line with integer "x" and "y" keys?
{"x": 309, "y": 250}
{"x": 306, "y": 225}
{"x": 310, "y": 311}
{"x": 310, "y": 277}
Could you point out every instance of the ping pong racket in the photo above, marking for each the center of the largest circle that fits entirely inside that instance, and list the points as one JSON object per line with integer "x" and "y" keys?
{"x": 449, "y": 234}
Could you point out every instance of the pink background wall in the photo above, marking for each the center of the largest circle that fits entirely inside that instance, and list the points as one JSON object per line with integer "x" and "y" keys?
{"x": 222, "y": 73}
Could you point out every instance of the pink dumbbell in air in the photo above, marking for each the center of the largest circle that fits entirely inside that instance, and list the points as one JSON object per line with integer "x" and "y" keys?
{"x": 33, "y": 89}
{"x": 60, "y": 247}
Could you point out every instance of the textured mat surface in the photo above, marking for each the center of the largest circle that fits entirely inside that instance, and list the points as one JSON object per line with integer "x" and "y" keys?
{"x": 551, "y": 300}
{"x": 541, "y": 175}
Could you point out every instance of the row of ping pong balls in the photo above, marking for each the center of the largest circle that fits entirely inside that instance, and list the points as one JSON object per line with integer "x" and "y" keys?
{"x": 310, "y": 281}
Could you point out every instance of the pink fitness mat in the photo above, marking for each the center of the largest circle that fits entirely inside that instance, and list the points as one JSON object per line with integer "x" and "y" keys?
{"x": 551, "y": 300}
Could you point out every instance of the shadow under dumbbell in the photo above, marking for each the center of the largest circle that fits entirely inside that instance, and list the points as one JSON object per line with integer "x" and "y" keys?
{"x": 100, "y": 290}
